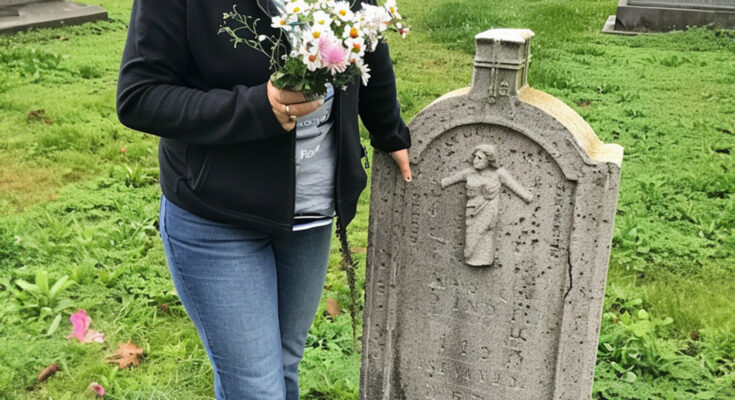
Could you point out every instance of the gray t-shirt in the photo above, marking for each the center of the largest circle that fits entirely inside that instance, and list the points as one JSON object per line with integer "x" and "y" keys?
{"x": 315, "y": 160}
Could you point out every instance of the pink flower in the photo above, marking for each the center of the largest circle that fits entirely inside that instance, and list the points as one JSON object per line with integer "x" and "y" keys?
{"x": 334, "y": 55}
{"x": 81, "y": 321}
{"x": 97, "y": 388}
{"x": 124, "y": 149}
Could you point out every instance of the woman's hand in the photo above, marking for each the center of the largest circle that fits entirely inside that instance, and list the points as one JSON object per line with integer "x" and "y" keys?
{"x": 401, "y": 158}
{"x": 288, "y": 105}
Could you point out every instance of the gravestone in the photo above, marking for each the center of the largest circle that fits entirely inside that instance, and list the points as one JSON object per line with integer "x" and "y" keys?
{"x": 635, "y": 16}
{"x": 22, "y": 15}
{"x": 486, "y": 274}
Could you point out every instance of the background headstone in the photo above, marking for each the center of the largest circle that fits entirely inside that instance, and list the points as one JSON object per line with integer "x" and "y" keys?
{"x": 22, "y": 15}
{"x": 485, "y": 274}
{"x": 635, "y": 16}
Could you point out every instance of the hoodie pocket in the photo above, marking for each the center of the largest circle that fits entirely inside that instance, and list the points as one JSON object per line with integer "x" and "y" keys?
{"x": 198, "y": 166}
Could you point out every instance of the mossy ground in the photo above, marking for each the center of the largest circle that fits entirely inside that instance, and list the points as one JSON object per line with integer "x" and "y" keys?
{"x": 71, "y": 203}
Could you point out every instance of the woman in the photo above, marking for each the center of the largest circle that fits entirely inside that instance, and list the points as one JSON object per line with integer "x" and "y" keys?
{"x": 483, "y": 183}
{"x": 247, "y": 241}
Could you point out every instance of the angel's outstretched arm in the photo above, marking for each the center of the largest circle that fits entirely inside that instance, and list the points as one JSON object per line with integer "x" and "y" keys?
{"x": 514, "y": 186}
{"x": 456, "y": 178}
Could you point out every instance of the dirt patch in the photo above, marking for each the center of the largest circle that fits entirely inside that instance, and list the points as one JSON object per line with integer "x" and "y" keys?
{"x": 23, "y": 185}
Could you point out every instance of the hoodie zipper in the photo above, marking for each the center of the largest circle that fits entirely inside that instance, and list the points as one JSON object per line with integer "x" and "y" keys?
{"x": 337, "y": 112}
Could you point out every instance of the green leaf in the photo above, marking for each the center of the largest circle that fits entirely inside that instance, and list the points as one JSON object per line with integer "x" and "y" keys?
{"x": 42, "y": 282}
{"x": 642, "y": 314}
{"x": 629, "y": 377}
{"x": 60, "y": 286}
{"x": 27, "y": 286}
{"x": 54, "y": 325}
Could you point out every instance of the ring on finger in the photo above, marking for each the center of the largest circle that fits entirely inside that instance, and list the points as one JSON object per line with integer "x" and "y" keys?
{"x": 291, "y": 117}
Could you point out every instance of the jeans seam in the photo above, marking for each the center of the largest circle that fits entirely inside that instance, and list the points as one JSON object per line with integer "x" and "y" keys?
{"x": 196, "y": 308}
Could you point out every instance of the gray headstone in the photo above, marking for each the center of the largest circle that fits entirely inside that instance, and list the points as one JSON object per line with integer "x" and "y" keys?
{"x": 667, "y": 15}
{"x": 22, "y": 15}
{"x": 485, "y": 274}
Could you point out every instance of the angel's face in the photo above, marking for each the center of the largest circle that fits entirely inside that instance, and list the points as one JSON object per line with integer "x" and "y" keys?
{"x": 479, "y": 160}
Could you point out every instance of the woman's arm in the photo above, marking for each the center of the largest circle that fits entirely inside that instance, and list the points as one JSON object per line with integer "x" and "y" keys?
{"x": 379, "y": 109}
{"x": 152, "y": 95}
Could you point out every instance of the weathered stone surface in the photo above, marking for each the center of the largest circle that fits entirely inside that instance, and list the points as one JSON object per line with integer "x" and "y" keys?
{"x": 669, "y": 15}
{"x": 519, "y": 319}
{"x": 21, "y": 15}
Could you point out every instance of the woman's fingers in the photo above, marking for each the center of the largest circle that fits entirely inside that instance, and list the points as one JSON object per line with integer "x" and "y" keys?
{"x": 302, "y": 109}
{"x": 401, "y": 158}
{"x": 285, "y": 112}
{"x": 289, "y": 97}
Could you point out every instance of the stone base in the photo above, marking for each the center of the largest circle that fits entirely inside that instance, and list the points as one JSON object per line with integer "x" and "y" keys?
{"x": 611, "y": 28}
{"x": 49, "y": 14}
{"x": 661, "y": 18}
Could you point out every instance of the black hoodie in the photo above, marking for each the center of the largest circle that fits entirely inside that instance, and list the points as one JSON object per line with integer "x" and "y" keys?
{"x": 223, "y": 154}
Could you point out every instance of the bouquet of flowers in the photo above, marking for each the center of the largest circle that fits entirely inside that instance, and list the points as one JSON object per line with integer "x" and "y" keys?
{"x": 325, "y": 41}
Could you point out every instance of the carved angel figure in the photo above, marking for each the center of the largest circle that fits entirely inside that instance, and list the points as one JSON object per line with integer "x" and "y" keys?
{"x": 483, "y": 183}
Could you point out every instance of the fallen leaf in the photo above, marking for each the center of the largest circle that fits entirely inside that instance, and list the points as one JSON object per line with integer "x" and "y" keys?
{"x": 126, "y": 354}
{"x": 35, "y": 115}
{"x": 47, "y": 372}
{"x": 97, "y": 389}
{"x": 694, "y": 335}
{"x": 360, "y": 250}
{"x": 333, "y": 307}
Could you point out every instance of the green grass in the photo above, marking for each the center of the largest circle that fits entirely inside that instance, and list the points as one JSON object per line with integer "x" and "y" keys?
{"x": 73, "y": 204}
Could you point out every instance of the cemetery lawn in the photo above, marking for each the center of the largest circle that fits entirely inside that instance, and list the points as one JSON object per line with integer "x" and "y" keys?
{"x": 74, "y": 207}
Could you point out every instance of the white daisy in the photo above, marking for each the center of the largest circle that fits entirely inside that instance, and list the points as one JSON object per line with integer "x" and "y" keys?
{"x": 322, "y": 20}
{"x": 297, "y": 7}
{"x": 343, "y": 12}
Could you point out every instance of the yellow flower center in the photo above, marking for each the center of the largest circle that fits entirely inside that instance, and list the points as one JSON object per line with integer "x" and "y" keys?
{"x": 296, "y": 9}
{"x": 316, "y": 35}
{"x": 354, "y": 33}
{"x": 342, "y": 12}
{"x": 312, "y": 58}
{"x": 392, "y": 10}
{"x": 356, "y": 47}
{"x": 283, "y": 22}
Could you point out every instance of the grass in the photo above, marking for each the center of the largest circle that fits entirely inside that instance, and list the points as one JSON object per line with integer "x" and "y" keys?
{"x": 73, "y": 204}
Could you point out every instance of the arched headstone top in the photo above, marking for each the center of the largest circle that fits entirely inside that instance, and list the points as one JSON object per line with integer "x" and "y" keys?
{"x": 500, "y": 95}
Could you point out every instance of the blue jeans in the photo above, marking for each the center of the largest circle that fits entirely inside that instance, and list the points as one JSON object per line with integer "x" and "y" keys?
{"x": 251, "y": 298}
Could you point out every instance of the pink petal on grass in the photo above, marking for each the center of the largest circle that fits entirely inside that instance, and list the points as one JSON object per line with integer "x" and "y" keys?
{"x": 97, "y": 388}
{"x": 93, "y": 336}
{"x": 81, "y": 321}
